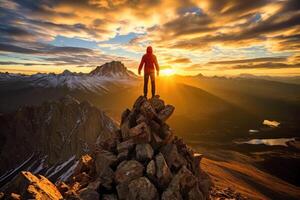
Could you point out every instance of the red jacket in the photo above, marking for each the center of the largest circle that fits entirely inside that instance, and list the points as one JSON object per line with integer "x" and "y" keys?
{"x": 149, "y": 60}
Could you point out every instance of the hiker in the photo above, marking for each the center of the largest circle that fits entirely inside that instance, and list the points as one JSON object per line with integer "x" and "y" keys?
{"x": 150, "y": 62}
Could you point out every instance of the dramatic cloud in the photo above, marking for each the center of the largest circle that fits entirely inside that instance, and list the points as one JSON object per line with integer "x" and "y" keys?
{"x": 188, "y": 36}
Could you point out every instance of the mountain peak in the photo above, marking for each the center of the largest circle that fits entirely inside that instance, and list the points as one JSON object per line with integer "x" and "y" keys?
{"x": 113, "y": 69}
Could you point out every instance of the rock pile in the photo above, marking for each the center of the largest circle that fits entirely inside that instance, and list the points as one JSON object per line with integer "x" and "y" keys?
{"x": 146, "y": 162}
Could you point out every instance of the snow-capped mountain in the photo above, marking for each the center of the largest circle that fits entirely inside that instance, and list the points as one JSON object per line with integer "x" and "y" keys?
{"x": 114, "y": 69}
{"x": 97, "y": 79}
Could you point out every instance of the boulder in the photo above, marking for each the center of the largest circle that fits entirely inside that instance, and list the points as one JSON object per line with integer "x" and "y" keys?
{"x": 205, "y": 185}
{"x": 109, "y": 197}
{"x": 88, "y": 194}
{"x": 155, "y": 126}
{"x": 163, "y": 173}
{"x": 142, "y": 189}
{"x": 147, "y": 110}
{"x": 157, "y": 103}
{"x": 165, "y": 131}
{"x": 82, "y": 178}
{"x": 106, "y": 178}
{"x": 128, "y": 170}
{"x": 151, "y": 170}
{"x": 183, "y": 182}
{"x": 107, "y": 139}
{"x": 125, "y": 115}
{"x": 125, "y": 146}
{"x": 144, "y": 152}
{"x": 196, "y": 163}
{"x": 156, "y": 141}
{"x": 174, "y": 160}
{"x": 171, "y": 195}
{"x": 122, "y": 156}
{"x": 140, "y": 119}
{"x": 140, "y": 133}
{"x": 195, "y": 194}
{"x": 137, "y": 104}
{"x": 94, "y": 185}
{"x": 164, "y": 114}
{"x": 103, "y": 160}
{"x": 125, "y": 126}
{"x": 85, "y": 164}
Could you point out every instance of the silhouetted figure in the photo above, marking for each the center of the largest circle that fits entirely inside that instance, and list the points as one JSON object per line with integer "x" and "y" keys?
{"x": 150, "y": 62}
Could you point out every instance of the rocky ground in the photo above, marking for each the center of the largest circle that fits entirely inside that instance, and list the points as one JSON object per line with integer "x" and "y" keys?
{"x": 145, "y": 161}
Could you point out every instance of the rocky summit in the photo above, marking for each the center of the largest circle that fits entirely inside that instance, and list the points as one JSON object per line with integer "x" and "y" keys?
{"x": 146, "y": 161}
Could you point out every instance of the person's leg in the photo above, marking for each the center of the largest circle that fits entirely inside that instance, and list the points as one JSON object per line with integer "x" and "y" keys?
{"x": 152, "y": 76}
{"x": 146, "y": 78}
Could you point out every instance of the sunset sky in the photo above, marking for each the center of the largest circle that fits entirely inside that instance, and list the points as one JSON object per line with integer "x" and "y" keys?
{"x": 213, "y": 37}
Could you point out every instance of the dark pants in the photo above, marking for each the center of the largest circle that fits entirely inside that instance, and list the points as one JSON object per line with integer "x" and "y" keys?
{"x": 146, "y": 78}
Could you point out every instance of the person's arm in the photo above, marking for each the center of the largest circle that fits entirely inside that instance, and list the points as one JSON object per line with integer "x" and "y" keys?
{"x": 156, "y": 65}
{"x": 141, "y": 65}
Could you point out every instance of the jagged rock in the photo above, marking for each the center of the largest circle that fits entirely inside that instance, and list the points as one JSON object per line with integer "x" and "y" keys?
{"x": 82, "y": 178}
{"x": 196, "y": 164}
{"x": 128, "y": 170}
{"x": 183, "y": 182}
{"x": 125, "y": 127}
{"x": 140, "y": 133}
{"x": 163, "y": 173}
{"x": 137, "y": 104}
{"x": 140, "y": 119}
{"x": 164, "y": 114}
{"x": 172, "y": 169}
{"x": 106, "y": 178}
{"x": 156, "y": 141}
{"x": 172, "y": 157}
{"x": 122, "y": 156}
{"x": 94, "y": 185}
{"x": 122, "y": 190}
{"x": 171, "y": 195}
{"x": 125, "y": 146}
{"x": 142, "y": 189}
{"x": 109, "y": 197}
{"x": 62, "y": 188}
{"x": 88, "y": 194}
{"x": 157, "y": 103}
{"x": 147, "y": 110}
{"x": 144, "y": 152}
{"x": 151, "y": 170}
{"x": 195, "y": 194}
{"x": 107, "y": 139}
{"x": 103, "y": 160}
{"x": 84, "y": 164}
{"x": 205, "y": 185}
{"x": 30, "y": 186}
{"x": 125, "y": 115}
{"x": 165, "y": 131}
{"x": 155, "y": 127}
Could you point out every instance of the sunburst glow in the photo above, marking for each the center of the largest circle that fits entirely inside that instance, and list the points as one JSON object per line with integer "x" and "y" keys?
{"x": 167, "y": 72}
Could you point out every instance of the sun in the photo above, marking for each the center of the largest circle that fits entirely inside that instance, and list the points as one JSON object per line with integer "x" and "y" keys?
{"x": 167, "y": 72}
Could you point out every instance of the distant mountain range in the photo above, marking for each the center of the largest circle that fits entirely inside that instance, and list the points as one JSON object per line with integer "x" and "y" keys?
{"x": 93, "y": 81}
{"x": 284, "y": 79}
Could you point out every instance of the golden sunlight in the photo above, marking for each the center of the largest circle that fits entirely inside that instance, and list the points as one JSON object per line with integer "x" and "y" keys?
{"x": 167, "y": 72}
